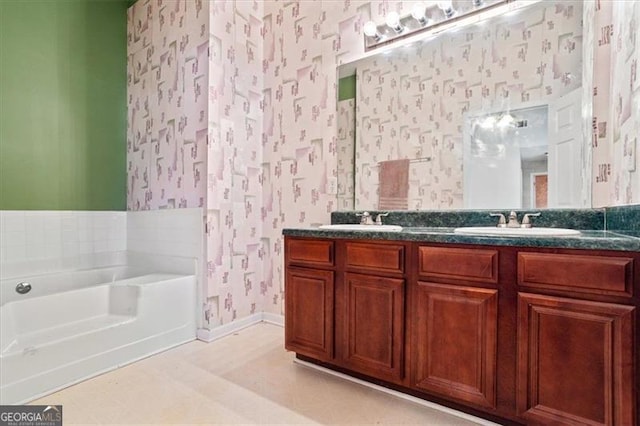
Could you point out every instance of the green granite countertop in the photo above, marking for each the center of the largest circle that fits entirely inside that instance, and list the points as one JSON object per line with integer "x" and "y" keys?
{"x": 588, "y": 240}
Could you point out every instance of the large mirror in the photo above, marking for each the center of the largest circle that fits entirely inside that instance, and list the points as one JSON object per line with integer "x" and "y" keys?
{"x": 486, "y": 116}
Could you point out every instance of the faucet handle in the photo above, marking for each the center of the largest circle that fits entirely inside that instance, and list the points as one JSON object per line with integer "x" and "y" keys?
{"x": 502, "y": 222}
{"x": 380, "y": 216}
{"x": 526, "y": 223}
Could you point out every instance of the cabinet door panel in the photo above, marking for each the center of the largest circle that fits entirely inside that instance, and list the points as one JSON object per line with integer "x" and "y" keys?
{"x": 575, "y": 361}
{"x": 309, "y": 312}
{"x": 454, "y": 342}
{"x": 375, "y": 325}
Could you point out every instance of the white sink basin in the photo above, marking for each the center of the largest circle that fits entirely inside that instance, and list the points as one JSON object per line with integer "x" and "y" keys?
{"x": 357, "y": 227}
{"x": 509, "y": 232}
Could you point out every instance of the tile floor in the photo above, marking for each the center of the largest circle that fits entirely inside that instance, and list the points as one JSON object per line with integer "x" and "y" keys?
{"x": 245, "y": 378}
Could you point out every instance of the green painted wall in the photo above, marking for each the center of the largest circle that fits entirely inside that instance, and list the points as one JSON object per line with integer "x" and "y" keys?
{"x": 63, "y": 108}
{"x": 347, "y": 88}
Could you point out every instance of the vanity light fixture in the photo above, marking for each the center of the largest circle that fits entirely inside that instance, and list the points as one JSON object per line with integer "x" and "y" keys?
{"x": 371, "y": 30}
{"x": 447, "y": 8}
{"x": 422, "y": 21}
{"x": 393, "y": 22}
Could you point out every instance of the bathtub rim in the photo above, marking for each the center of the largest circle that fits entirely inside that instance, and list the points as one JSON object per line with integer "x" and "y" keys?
{"x": 123, "y": 352}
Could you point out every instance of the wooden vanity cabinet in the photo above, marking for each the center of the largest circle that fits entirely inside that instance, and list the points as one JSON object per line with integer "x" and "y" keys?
{"x": 526, "y": 335}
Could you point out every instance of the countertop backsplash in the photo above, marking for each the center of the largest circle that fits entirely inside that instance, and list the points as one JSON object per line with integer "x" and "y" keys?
{"x": 580, "y": 219}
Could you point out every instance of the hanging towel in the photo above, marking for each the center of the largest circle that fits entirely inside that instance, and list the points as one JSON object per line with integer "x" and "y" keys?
{"x": 393, "y": 179}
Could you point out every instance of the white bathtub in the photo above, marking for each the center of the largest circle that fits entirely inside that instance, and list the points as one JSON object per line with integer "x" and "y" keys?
{"x": 72, "y": 326}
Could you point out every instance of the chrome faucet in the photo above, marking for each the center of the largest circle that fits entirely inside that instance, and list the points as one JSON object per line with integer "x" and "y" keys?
{"x": 365, "y": 218}
{"x": 513, "y": 220}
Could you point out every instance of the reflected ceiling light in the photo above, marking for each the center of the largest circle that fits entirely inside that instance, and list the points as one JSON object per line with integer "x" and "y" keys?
{"x": 393, "y": 22}
{"x": 371, "y": 30}
{"x": 419, "y": 13}
{"x": 489, "y": 122}
{"x": 447, "y": 8}
{"x": 506, "y": 120}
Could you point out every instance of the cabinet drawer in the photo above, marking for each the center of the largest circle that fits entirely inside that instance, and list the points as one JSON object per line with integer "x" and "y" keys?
{"x": 378, "y": 257}
{"x": 310, "y": 252}
{"x": 461, "y": 264}
{"x": 576, "y": 273}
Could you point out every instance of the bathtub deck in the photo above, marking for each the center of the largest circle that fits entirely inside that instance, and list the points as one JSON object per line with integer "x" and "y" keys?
{"x": 66, "y": 331}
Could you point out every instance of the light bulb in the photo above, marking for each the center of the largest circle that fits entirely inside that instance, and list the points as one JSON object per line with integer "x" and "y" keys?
{"x": 393, "y": 22}
{"x": 447, "y": 7}
{"x": 418, "y": 12}
{"x": 371, "y": 30}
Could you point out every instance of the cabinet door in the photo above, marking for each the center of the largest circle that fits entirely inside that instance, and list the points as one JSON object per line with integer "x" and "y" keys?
{"x": 454, "y": 342}
{"x": 309, "y": 312}
{"x": 374, "y": 325}
{"x": 575, "y": 361}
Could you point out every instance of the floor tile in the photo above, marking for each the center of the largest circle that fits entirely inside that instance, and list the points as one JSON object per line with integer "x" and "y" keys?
{"x": 244, "y": 378}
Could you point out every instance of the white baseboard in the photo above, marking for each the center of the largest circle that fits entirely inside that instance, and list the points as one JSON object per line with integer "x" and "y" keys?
{"x": 274, "y": 319}
{"x": 209, "y": 335}
{"x": 401, "y": 395}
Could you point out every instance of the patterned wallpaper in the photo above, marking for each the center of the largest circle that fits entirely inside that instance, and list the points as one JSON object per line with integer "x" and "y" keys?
{"x": 616, "y": 100}
{"x": 271, "y": 124}
{"x": 346, "y": 154}
{"x": 167, "y": 104}
{"x": 304, "y": 42}
{"x": 411, "y": 102}
{"x": 235, "y": 245}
